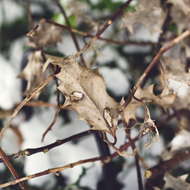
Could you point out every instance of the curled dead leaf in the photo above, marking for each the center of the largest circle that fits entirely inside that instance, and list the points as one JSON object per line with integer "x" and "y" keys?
{"x": 33, "y": 72}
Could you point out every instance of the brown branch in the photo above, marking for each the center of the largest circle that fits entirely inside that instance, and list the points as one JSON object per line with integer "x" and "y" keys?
{"x": 57, "y": 110}
{"x": 72, "y": 34}
{"x": 154, "y": 61}
{"x": 29, "y": 152}
{"x": 45, "y": 149}
{"x": 32, "y": 32}
{"x": 11, "y": 168}
{"x": 29, "y": 14}
{"x": 108, "y": 23}
{"x": 56, "y": 170}
{"x": 180, "y": 156}
{"x": 24, "y": 102}
{"x": 39, "y": 103}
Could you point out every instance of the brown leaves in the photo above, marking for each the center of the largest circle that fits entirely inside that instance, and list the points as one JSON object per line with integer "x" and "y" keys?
{"x": 174, "y": 69}
{"x": 148, "y": 127}
{"x": 149, "y": 14}
{"x": 180, "y": 14}
{"x": 45, "y": 35}
{"x": 165, "y": 99}
{"x": 178, "y": 183}
{"x": 85, "y": 91}
{"x": 33, "y": 72}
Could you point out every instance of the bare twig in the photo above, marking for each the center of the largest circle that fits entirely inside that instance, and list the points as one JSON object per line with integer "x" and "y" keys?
{"x": 11, "y": 168}
{"x": 24, "y": 102}
{"x": 57, "y": 110}
{"x": 31, "y": 33}
{"x": 45, "y": 149}
{"x": 154, "y": 61}
{"x": 116, "y": 149}
{"x": 29, "y": 151}
{"x": 39, "y": 103}
{"x": 54, "y": 170}
{"x": 29, "y": 14}
{"x": 108, "y": 23}
{"x": 180, "y": 156}
{"x": 72, "y": 34}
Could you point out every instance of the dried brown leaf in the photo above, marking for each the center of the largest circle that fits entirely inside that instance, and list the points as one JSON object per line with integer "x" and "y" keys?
{"x": 45, "y": 35}
{"x": 174, "y": 69}
{"x": 178, "y": 183}
{"x": 165, "y": 99}
{"x": 85, "y": 91}
{"x": 183, "y": 5}
{"x": 33, "y": 72}
{"x": 148, "y": 14}
{"x": 180, "y": 13}
{"x": 148, "y": 127}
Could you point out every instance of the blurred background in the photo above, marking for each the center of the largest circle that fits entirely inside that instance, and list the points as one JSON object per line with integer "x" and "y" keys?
{"x": 121, "y": 65}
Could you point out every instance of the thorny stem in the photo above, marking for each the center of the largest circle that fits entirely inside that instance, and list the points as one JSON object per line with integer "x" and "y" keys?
{"x": 57, "y": 110}
{"x": 11, "y": 168}
{"x": 24, "y": 102}
{"x": 72, "y": 34}
{"x": 154, "y": 61}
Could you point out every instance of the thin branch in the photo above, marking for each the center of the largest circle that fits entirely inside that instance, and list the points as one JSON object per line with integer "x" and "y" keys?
{"x": 154, "y": 61}
{"x": 24, "y": 102}
{"x": 179, "y": 157}
{"x": 39, "y": 103}
{"x": 56, "y": 170}
{"x": 116, "y": 149}
{"x": 29, "y": 14}
{"x": 57, "y": 110}
{"x": 11, "y": 168}
{"x": 108, "y": 23}
{"x": 164, "y": 27}
{"x": 29, "y": 151}
{"x": 148, "y": 173}
{"x": 45, "y": 149}
{"x": 32, "y": 32}
{"x": 72, "y": 34}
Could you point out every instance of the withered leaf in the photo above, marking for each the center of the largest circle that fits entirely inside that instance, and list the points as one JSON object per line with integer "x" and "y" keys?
{"x": 148, "y": 14}
{"x": 175, "y": 69}
{"x": 180, "y": 13}
{"x": 183, "y": 5}
{"x": 45, "y": 35}
{"x": 85, "y": 91}
{"x": 148, "y": 127}
{"x": 178, "y": 183}
{"x": 33, "y": 72}
{"x": 165, "y": 99}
